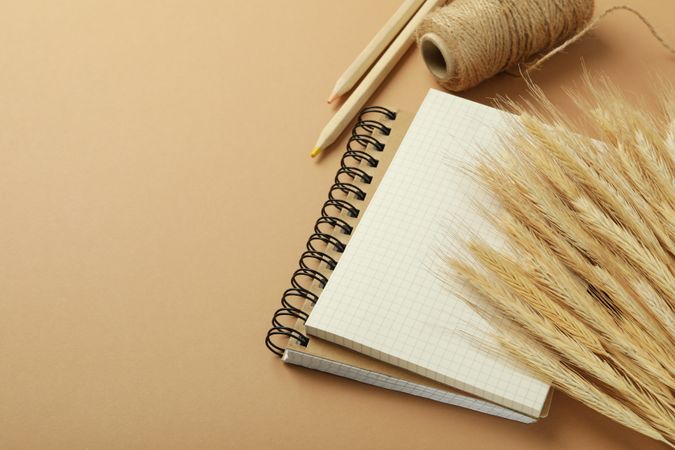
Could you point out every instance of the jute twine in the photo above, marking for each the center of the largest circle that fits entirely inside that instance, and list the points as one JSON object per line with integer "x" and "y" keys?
{"x": 468, "y": 41}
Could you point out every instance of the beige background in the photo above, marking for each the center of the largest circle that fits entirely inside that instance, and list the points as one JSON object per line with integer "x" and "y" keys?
{"x": 156, "y": 192}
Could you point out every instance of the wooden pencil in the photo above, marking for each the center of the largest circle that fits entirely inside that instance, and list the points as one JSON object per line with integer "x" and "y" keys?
{"x": 375, "y": 47}
{"x": 365, "y": 90}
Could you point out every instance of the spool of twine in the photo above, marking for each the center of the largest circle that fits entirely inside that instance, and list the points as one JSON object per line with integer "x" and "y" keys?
{"x": 468, "y": 41}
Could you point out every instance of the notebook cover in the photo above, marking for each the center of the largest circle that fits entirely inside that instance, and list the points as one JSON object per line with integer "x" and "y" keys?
{"x": 328, "y": 357}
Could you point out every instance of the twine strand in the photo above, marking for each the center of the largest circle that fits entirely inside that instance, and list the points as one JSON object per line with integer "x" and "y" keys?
{"x": 590, "y": 26}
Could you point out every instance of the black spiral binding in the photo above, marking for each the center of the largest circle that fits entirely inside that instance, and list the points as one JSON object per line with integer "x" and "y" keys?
{"x": 355, "y": 154}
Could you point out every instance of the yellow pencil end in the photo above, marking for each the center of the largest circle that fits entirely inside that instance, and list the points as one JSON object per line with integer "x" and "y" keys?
{"x": 315, "y": 152}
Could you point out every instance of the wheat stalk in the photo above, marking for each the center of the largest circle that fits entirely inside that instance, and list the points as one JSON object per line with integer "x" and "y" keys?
{"x": 584, "y": 295}
{"x": 549, "y": 366}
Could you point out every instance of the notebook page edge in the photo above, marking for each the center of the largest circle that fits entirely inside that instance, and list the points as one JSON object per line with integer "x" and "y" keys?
{"x": 492, "y": 397}
{"x": 314, "y": 362}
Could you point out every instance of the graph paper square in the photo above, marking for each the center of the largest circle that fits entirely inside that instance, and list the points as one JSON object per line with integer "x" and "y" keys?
{"x": 385, "y": 298}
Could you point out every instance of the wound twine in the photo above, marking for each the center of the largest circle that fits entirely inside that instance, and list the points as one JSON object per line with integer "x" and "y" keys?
{"x": 468, "y": 41}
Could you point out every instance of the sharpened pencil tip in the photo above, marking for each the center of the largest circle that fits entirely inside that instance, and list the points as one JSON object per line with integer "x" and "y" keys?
{"x": 315, "y": 152}
{"x": 331, "y": 98}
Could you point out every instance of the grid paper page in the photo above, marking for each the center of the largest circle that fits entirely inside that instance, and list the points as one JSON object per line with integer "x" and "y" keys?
{"x": 384, "y": 298}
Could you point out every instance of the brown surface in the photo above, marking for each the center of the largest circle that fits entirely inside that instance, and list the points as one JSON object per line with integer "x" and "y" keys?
{"x": 156, "y": 192}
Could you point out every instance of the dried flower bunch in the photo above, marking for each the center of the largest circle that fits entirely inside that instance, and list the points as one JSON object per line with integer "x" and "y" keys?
{"x": 584, "y": 294}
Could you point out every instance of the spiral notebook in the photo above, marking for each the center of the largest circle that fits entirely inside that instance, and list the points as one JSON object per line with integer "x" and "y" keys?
{"x": 367, "y": 302}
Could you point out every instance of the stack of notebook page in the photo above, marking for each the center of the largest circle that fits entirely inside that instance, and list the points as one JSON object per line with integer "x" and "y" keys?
{"x": 370, "y": 301}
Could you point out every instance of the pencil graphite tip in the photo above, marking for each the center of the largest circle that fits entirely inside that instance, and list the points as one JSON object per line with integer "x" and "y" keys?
{"x": 315, "y": 152}
{"x": 331, "y": 98}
